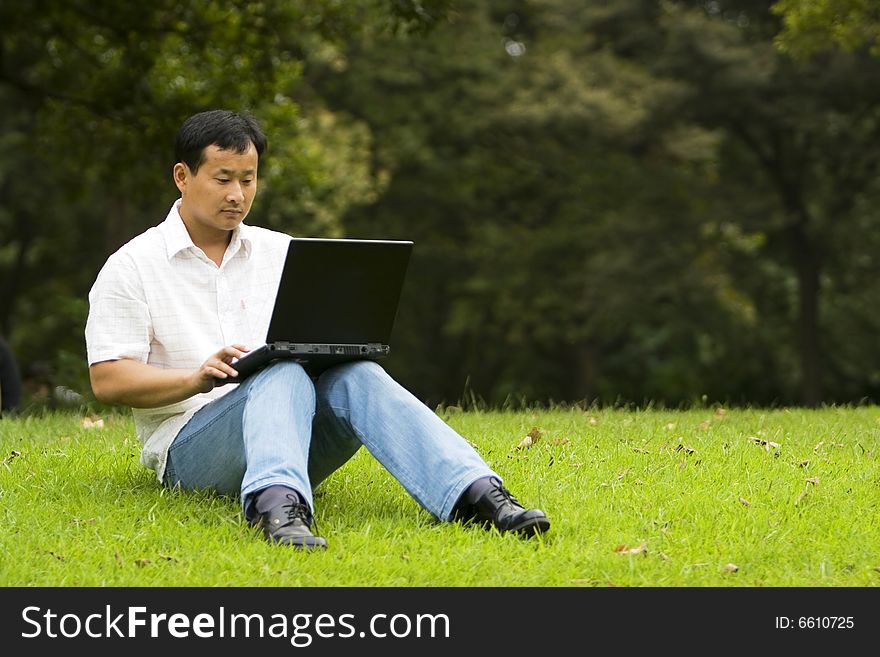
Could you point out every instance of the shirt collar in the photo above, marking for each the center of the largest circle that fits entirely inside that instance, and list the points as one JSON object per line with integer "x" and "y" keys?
{"x": 177, "y": 238}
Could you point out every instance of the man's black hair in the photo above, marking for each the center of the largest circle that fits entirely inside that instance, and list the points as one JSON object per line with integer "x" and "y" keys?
{"x": 227, "y": 130}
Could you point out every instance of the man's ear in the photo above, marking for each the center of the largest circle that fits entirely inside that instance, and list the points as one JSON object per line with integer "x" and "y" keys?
{"x": 181, "y": 174}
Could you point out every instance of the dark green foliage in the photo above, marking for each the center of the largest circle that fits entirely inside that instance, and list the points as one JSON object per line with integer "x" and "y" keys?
{"x": 622, "y": 201}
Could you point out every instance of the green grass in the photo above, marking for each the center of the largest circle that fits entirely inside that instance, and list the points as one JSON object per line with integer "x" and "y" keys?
{"x": 789, "y": 497}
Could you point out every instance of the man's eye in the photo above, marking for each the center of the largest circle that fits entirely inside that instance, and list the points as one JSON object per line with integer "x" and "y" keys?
{"x": 222, "y": 180}
{"x": 247, "y": 181}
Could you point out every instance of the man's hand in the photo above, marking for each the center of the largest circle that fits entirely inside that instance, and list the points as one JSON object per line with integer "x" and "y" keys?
{"x": 218, "y": 366}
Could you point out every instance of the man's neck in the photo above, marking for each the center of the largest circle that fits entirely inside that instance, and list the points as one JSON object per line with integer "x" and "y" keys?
{"x": 213, "y": 242}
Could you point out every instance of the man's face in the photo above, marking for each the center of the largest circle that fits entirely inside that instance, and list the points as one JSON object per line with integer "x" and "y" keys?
{"x": 219, "y": 196}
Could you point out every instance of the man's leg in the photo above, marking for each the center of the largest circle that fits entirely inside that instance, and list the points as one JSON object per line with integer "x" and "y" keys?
{"x": 256, "y": 438}
{"x": 359, "y": 403}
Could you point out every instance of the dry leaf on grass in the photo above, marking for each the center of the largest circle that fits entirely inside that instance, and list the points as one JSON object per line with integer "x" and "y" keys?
{"x": 731, "y": 568}
{"x": 705, "y": 424}
{"x": 744, "y": 502}
{"x": 531, "y": 439}
{"x": 640, "y": 549}
{"x": 561, "y": 441}
{"x": 766, "y": 444}
{"x": 720, "y": 412}
{"x": 14, "y": 454}
{"x": 813, "y": 480}
{"x": 92, "y": 423}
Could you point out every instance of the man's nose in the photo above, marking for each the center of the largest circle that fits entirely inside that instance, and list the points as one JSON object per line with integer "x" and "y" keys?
{"x": 235, "y": 193}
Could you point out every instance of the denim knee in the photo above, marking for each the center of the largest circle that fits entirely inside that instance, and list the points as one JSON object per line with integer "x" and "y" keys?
{"x": 355, "y": 375}
{"x": 358, "y": 368}
{"x": 286, "y": 373}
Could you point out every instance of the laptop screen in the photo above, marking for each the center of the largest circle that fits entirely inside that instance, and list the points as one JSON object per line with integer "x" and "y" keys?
{"x": 342, "y": 291}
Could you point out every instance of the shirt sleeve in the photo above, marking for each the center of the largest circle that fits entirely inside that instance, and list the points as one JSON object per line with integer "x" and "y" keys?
{"x": 119, "y": 324}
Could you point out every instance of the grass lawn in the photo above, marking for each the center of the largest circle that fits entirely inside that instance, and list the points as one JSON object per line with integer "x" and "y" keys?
{"x": 668, "y": 498}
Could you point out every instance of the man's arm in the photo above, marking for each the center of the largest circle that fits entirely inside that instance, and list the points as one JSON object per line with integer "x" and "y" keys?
{"x": 132, "y": 383}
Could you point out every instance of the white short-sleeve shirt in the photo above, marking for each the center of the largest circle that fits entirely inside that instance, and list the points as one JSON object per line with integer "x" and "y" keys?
{"x": 160, "y": 300}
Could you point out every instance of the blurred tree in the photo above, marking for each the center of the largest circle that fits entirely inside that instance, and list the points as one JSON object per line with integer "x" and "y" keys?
{"x": 546, "y": 183}
{"x": 634, "y": 198}
{"x": 812, "y": 26}
{"x": 631, "y": 200}
{"x": 93, "y": 93}
{"x": 797, "y": 157}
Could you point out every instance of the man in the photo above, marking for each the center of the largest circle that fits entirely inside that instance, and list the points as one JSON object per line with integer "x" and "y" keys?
{"x": 162, "y": 309}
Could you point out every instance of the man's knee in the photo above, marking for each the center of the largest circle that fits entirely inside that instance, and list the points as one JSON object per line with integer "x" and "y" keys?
{"x": 287, "y": 373}
{"x": 358, "y": 370}
{"x": 362, "y": 366}
{"x": 358, "y": 375}
{"x": 287, "y": 368}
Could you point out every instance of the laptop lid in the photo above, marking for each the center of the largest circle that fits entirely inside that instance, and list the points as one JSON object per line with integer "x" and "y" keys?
{"x": 339, "y": 291}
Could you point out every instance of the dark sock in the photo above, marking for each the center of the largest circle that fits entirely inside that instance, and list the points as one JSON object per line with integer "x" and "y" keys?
{"x": 273, "y": 496}
{"x": 475, "y": 490}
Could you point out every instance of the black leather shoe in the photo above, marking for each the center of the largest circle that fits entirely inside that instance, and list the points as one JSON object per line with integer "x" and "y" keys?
{"x": 288, "y": 523}
{"x": 496, "y": 507}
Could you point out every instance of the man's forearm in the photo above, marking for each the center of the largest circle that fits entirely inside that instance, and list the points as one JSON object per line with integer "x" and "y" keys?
{"x": 139, "y": 385}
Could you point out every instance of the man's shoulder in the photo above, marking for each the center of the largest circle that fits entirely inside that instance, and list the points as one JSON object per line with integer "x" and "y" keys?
{"x": 267, "y": 235}
{"x": 146, "y": 243}
{"x": 268, "y": 242}
{"x": 139, "y": 250}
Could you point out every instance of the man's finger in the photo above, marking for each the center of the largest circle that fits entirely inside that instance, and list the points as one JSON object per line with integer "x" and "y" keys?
{"x": 231, "y": 352}
{"x": 227, "y": 369}
{"x": 215, "y": 372}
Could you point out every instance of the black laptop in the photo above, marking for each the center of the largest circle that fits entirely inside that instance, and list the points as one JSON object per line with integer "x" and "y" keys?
{"x": 336, "y": 302}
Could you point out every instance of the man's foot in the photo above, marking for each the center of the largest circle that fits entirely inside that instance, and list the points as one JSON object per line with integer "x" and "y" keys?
{"x": 492, "y": 505}
{"x": 289, "y": 523}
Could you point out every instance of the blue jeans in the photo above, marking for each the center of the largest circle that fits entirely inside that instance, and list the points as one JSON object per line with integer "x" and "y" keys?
{"x": 281, "y": 427}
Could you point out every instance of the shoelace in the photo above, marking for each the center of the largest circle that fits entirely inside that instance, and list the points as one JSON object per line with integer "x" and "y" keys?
{"x": 297, "y": 509}
{"x": 500, "y": 495}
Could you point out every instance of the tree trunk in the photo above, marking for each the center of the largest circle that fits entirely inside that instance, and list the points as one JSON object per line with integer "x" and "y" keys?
{"x": 807, "y": 267}
{"x": 584, "y": 373}
{"x": 13, "y": 280}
